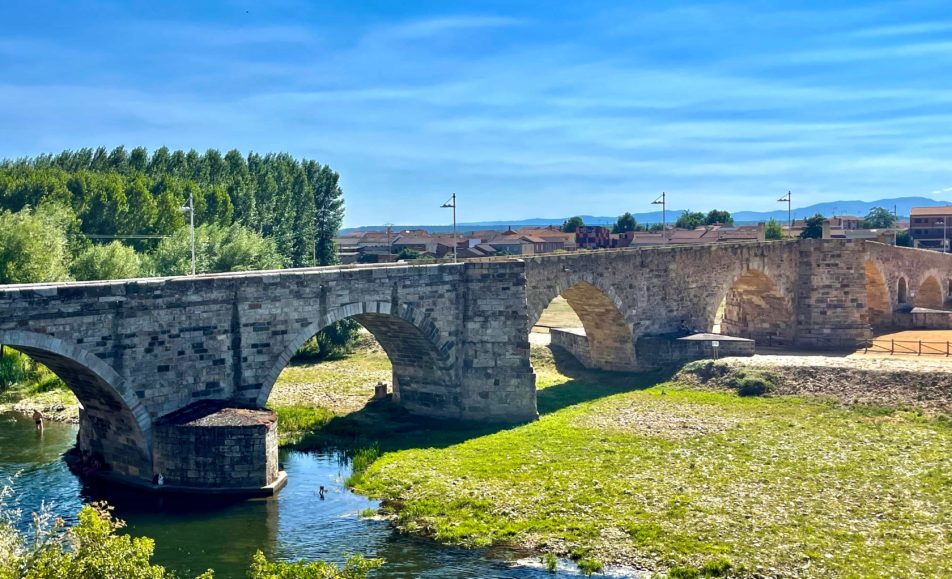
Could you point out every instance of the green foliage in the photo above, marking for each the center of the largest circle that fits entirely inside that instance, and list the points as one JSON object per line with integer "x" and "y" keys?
{"x": 361, "y": 461}
{"x": 92, "y": 549}
{"x": 773, "y": 230}
{"x": 879, "y": 218}
{"x": 408, "y": 253}
{"x": 111, "y": 261}
{"x": 690, "y": 220}
{"x": 217, "y": 249}
{"x": 571, "y": 224}
{"x": 298, "y": 203}
{"x": 333, "y": 342}
{"x": 749, "y": 382}
{"x": 33, "y": 246}
{"x": 24, "y": 376}
{"x": 89, "y": 550}
{"x": 625, "y": 223}
{"x": 656, "y": 227}
{"x": 356, "y": 567}
{"x": 297, "y": 421}
{"x": 550, "y": 562}
{"x": 903, "y": 239}
{"x": 813, "y": 228}
{"x": 715, "y": 216}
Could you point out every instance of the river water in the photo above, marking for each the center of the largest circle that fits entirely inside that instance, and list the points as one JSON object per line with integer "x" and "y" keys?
{"x": 193, "y": 535}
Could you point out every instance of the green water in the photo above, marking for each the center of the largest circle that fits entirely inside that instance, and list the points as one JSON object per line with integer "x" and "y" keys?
{"x": 194, "y": 535}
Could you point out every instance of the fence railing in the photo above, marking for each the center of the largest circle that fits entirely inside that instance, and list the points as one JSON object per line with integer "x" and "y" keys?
{"x": 907, "y": 347}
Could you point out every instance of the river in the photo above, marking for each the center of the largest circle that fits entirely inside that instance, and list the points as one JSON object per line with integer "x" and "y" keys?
{"x": 193, "y": 535}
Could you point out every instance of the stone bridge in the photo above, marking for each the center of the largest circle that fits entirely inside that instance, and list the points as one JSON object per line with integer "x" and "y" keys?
{"x": 138, "y": 352}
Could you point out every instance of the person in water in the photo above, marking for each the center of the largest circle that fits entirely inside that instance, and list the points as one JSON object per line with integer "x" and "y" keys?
{"x": 38, "y": 419}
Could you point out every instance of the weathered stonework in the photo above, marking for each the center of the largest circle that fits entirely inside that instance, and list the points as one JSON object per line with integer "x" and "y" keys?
{"x": 208, "y": 445}
{"x": 457, "y": 334}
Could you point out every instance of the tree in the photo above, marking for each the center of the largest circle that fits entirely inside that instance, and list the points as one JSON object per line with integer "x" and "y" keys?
{"x": 110, "y": 261}
{"x": 690, "y": 220}
{"x": 773, "y": 230}
{"x": 572, "y": 224}
{"x": 656, "y": 227}
{"x": 879, "y": 218}
{"x": 408, "y": 253}
{"x": 33, "y": 247}
{"x": 813, "y": 228}
{"x": 625, "y": 223}
{"x": 715, "y": 217}
{"x": 903, "y": 239}
{"x": 217, "y": 249}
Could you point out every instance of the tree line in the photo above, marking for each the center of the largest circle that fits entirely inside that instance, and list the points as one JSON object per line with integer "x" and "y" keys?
{"x": 295, "y": 206}
{"x": 877, "y": 218}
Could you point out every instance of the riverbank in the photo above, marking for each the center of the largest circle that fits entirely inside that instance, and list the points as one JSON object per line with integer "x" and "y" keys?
{"x": 667, "y": 477}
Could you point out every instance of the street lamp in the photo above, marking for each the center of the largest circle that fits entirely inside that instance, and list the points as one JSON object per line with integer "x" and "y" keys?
{"x": 662, "y": 201}
{"x": 787, "y": 198}
{"x": 190, "y": 209}
{"x": 452, "y": 204}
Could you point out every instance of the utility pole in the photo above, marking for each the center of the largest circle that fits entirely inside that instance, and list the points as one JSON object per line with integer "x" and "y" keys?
{"x": 190, "y": 209}
{"x": 452, "y": 204}
{"x": 662, "y": 201}
{"x": 389, "y": 241}
{"x": 788, "y": 198}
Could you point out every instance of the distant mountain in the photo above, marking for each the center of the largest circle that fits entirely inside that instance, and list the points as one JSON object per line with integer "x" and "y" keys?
{"x": 858, "y": 208}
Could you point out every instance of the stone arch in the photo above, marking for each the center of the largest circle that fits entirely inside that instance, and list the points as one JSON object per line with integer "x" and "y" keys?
{"x": 610, "y": 345}
{"x": 929, "y": 294}
{"x": 877, "y": 297}
{"x": 113, "y": 421}
{"x": 421, "y": 358}
{"x": 902, "y": 292}
{"x": 755, "y": 308}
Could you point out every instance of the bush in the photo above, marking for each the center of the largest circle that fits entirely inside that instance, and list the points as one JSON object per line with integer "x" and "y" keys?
{"x": 111, "y": 261}
{"x": 749, "y": 382}
{"x": 356, "y": 567}
{"x": 333, "y": 342}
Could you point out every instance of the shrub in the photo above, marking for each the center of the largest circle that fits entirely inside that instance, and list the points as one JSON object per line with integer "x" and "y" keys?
{"x": 333, "y": 342}
{"x": 749, "y": 382}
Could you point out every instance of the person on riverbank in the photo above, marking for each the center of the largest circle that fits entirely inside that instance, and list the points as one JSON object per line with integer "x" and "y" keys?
{"x": 38, "y": 419}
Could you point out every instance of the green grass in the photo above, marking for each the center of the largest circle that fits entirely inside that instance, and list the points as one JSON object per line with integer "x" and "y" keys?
{"x": 702, "y": 483}
{"x": 296, "y": 422}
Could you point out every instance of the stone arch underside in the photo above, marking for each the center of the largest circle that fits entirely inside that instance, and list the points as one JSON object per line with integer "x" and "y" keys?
{"x": 877, "y": 297}
{"x": 423, "y": 375}
{"x": 610, "y": 342}
{"x": 929, "y": 294}
{"x": 902, "y": 291}
{"x": 755, "y": 308}
{"x": 112, "y": 422}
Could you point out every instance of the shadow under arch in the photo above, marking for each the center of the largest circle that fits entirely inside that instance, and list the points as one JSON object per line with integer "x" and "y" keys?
{"x": 423, "y": 375}
{"x": 754, "y": 307}
{"x": 608, "y": 343}
{"x": 878, "y": 306}
{"x": 929, "y": 294}
{"x": 112, "y": 420}
{"x": 902, "y": 292}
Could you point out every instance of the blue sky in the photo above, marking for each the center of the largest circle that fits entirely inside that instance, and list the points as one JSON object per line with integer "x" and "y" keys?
{"x": 524, "y": 109}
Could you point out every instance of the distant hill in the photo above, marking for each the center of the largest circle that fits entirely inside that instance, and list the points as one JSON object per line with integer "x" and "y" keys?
{"x": 859, "y": 208}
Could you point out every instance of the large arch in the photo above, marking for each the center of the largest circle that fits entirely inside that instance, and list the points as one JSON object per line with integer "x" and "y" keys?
{"x": 755, "y": 308}
{"x": 112, "y": 420}
{"x": 423, "y": 377}
{"x": 929, "y": 294}
{"x": 610, "y": 345}
{"x": 877, "y": 297}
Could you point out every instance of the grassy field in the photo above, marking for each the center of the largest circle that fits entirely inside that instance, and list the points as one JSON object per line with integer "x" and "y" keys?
{"x": 559, "y": 314}
{"x": 670, "y": 478}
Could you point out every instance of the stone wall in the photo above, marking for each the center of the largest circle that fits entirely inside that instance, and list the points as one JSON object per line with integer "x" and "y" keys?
{"x": 925, "y": 276}
{"x": 208, "y": 446}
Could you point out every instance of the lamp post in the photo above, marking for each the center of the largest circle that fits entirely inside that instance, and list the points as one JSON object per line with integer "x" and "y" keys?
{"x": 190, "y": 209}
{"x": 452, "y": 204}
{"x": 789, "y": 202}
{"x": 662, "y": 201}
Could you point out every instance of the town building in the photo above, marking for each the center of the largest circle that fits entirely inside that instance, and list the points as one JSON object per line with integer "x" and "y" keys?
{"x": 929, "y": 227}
